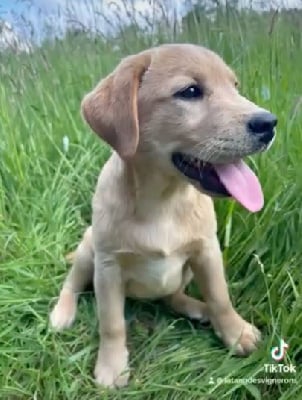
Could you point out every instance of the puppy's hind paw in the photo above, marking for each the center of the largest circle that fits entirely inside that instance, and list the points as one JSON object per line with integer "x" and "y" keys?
{"x": 64, "y": 312}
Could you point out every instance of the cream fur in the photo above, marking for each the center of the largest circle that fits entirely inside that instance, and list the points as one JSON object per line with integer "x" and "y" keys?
{"x": 152, "y": 231}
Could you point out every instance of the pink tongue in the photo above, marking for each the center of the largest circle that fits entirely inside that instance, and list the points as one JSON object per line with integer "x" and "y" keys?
{"x": 241, "y": 182}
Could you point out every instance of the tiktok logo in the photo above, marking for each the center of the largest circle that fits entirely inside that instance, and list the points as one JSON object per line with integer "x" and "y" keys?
{"x": 278, "y": 353}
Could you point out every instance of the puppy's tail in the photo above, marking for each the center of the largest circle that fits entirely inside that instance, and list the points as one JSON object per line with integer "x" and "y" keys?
{"x": 70, "y": 257}
{"x": 84, "y": 250}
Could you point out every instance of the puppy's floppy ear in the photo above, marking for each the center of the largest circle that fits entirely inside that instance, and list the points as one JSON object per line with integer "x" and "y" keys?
{"x": 111, "y": 108}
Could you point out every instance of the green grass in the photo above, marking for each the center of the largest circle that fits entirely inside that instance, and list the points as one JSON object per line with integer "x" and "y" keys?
{"x": 45, "y": 195}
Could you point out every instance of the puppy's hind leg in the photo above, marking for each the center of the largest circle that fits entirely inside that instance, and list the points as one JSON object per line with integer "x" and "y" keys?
{"x": 187, "y": 306}
{"x": 79, "y": 276}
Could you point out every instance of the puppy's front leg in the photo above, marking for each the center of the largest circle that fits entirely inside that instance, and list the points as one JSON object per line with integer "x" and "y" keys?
{"x": 208, "y": 270}
{"x": 112, "y": 361}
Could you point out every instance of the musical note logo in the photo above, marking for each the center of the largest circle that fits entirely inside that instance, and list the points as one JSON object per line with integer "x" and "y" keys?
{"x": 278, "y": 353}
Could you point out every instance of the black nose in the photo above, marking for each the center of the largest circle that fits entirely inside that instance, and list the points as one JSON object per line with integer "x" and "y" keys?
{"x": 262, "y": 124}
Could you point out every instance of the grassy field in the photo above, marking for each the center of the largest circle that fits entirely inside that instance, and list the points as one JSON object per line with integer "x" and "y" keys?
{"x": 49, "y": 161}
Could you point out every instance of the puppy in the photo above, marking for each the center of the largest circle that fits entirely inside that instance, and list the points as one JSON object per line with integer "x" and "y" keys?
{"x": 178, "y": 129}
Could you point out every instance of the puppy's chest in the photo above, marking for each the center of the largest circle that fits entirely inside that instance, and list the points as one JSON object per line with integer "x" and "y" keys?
{"x": 152, "y": 277}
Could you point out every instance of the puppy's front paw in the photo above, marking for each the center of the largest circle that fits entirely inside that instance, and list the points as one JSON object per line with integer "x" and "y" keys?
{"x": 63, "y": 314}
{"x": 112, "y": 370}
{"x": 238, "y": 333}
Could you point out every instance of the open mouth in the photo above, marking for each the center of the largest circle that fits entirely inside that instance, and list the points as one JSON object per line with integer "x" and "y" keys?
{"x": 203, "y": 172}
{"x": 235, "y": 180}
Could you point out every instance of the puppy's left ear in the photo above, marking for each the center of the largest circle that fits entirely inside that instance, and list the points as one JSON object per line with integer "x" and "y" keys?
{"x": 111, "y": 108}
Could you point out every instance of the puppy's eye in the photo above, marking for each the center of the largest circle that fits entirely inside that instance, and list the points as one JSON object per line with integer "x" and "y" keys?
{"x": 190, "y": 93}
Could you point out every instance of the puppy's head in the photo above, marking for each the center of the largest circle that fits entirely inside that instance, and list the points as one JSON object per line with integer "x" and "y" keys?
{"x": 179, "y": 106}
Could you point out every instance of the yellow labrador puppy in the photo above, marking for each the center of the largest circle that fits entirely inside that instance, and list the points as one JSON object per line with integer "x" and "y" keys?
{"x": 179, "y": 130}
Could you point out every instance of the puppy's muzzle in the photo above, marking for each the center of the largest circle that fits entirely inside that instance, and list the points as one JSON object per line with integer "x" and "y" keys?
{"x": 261, "y": 125}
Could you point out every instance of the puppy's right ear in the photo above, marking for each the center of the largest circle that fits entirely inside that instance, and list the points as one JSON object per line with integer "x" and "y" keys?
{"x": 111, "y": 108}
